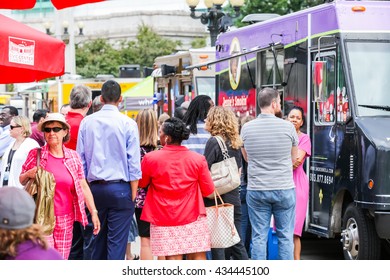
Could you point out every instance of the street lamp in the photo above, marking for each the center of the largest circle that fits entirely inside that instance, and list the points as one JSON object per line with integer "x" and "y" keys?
{"x": 212, "y": 18}
{"x": 65, "y": 37}
{"x": 47, "y": 25}
{"x": 80, "y": 25}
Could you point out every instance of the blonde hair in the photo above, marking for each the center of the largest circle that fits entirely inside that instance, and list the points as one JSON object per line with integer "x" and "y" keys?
{"x": 10, "y": 239}
{"x": 147, "y": 126}
{"x": 162, "y": 118}
{"x": 245, "y": 119}
{"x": 222, "y": 121}
{"x": 24, "y": 123}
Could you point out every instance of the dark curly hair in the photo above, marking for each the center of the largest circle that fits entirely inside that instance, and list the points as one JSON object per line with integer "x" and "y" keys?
{"x": 177, "y": 129}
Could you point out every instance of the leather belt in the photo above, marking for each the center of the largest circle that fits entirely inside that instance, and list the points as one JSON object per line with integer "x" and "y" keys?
{"x": 103, "y": 182}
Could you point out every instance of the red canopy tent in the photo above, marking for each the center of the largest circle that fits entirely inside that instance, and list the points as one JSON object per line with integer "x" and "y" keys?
{"x": 29, "y": 4}
{"x": 28, "y": 55}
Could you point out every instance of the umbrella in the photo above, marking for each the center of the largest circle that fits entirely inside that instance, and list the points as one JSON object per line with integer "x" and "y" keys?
{"x": 28, "y": 55}
{"x": 29, "y": 4}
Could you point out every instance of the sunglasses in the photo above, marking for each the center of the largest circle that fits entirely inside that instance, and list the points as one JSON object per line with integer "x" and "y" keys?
{"x": 55, "y": 129}
{"x": 14, "y": 126}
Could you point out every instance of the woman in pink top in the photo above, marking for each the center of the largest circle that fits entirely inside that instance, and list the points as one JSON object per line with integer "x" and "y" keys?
{"x": 178, "y": 179}
{"x": 297, "y": 117}
{"x": 72, "y": 191}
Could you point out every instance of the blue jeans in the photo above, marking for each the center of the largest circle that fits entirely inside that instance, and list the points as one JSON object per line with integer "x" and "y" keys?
{"x": 246, "y": 228}
{"x": 263, "y": 204}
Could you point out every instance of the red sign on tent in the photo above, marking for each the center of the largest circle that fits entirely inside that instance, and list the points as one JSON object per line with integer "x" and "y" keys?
{"x": 29, "y": 4}
{"x": 28, "y": 55}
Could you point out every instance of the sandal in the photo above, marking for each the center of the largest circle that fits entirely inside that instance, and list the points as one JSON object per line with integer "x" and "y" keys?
{"x": 135, "y": 257}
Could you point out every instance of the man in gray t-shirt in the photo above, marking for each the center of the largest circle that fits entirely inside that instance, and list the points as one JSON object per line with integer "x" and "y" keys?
{"x": 270, "y": 147}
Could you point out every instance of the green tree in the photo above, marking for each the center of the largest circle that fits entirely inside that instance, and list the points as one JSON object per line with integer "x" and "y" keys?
{"x": 97, "y": 57}
{"x": 147, "y": 46}
{"x": 280, "y": 7}
{"x": 198, "y": 43}
{"x": 100, "y": 57}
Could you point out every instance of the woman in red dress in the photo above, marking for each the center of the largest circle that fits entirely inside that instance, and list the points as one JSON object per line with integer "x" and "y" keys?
{"x": 178, "y": 179}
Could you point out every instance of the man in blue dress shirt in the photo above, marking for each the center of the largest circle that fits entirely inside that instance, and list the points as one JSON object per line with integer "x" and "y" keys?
{"x": 108, "y": 143}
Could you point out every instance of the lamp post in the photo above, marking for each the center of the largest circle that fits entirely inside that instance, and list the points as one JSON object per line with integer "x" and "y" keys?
{"x": 66, "y": 33}
{"x": 64, "y": 30}
{"x": 212, "y": 18}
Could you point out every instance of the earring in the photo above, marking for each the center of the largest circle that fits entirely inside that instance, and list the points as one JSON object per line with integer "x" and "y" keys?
{"x": 166, "y": 139}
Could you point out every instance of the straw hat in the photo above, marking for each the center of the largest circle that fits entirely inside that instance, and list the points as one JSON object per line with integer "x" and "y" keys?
{"x": 53, "y": 117}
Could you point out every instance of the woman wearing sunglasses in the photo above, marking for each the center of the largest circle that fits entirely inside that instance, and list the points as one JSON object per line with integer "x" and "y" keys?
{"x": 16, "y": 153}
{"x": 72, "y": 191}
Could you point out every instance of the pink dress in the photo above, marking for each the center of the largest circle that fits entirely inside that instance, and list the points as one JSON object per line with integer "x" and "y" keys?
{"x": 301, "y": 186}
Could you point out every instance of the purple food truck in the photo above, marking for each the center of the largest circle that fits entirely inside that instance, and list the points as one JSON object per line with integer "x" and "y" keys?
{"x": 333, "y": 60}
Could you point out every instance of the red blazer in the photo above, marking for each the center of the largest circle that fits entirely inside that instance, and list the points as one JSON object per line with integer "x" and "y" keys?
{"x": 178, "y": 179}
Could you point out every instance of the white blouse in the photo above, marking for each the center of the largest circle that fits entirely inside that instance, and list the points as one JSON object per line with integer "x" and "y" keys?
{"x": 17, "y": 161}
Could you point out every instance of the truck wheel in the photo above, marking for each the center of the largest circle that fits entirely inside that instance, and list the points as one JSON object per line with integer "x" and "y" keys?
{"x": 359, "y": 238}
{"x": 385, "y": 249}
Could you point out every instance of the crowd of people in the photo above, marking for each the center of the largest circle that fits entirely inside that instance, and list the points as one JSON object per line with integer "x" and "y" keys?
{"x": 119, "y": 178}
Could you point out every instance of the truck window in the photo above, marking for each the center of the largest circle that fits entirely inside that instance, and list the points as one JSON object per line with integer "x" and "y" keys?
{"x": 371, "y": 83}
{"x": 324, "y": 88}
{"x": 342, "y": 101}
{"x": 271, "y": 65}
{"x": 206, "y": 86}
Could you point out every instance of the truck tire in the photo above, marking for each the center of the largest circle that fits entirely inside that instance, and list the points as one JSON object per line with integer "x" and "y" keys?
{"x": 385, "y": 249}
{"x": 359, "y": 238}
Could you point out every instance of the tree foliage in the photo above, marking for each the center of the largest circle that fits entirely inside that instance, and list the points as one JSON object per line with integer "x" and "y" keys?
{"x": 280, "y": 7}
{"x": 97, "y": 57}
{"x": 147, "y": 47}
{"x": 198, "y": 43}
{"x": 101, "y": 57}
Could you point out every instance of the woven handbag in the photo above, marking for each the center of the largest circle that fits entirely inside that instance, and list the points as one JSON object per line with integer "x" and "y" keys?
{"x": 220, "y": 219}
{"x": 225, "y": 174}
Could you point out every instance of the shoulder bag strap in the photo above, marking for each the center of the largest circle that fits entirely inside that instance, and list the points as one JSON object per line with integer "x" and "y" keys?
{"x": 216, "y": 193}
{"x": 38, "y": 157}
{"x": 223, "y": 147}
{"x": 10, "y": 157}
